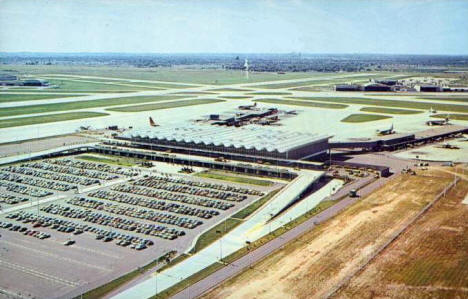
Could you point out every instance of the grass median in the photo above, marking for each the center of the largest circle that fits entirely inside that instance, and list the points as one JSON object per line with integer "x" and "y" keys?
{"x": 362, "y": 118}
{"x": 303, "y": 103}
{"x": 386, "y": 103}
{"x": 390, "y": 110}
{"x": 452, "y": 116}
{"x": 4, "y": 98}
{"x": 48, "y": 118}
{"x": 166, "y": 105}
{"x": 43, "y": 108}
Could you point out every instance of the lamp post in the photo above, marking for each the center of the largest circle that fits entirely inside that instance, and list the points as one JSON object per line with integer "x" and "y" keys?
{"x": 220, "y": 245}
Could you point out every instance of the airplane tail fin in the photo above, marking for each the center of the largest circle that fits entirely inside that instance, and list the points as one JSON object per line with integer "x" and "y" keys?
{"x": 151, "y": 121}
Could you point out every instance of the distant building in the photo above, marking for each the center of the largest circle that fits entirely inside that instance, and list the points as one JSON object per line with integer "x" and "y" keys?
{"x": 377, "y": 87}
{"x": 387, "y": 82}
{"x": 8, "y": 77}
{"x": 430, "y": 88}
{"x": 34, "y": 82}
{"x": 348, "y": 87}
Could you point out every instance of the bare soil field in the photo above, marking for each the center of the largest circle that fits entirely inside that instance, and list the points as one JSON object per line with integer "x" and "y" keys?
{"x": 428, "y": 261}
{"x": 319, "y": 261}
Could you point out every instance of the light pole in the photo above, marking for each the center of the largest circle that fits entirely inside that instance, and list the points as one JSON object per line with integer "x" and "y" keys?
{"x": 220, "y": 244}
{"x": 248, "y": 252}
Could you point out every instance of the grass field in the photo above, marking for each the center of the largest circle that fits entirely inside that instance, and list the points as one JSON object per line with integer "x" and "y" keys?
{"x": 194, "y": 93}
{"x": 166, "y": 105}
{"x": 48, "y": 118}
{"x": 91, "y": 86}
{"x": 28, "y": 97}
{"x": 316, "y": 262}
{"x": 230, "y": 89}
{"x": 303, "y": 103}
{"x": 452, "y": 116}
{"x": 390, "y": 110}
{"x": 273, "y": 93}
{"x": 388, "y": 103}
{"x": 183, "y": 75}
{"x": 427, "y": 261}
{"x": 236, "y": 97}
{"x": 233, "y": 178}
{"x": 362, "y": 118}
{"x": 463, "y": 99}
{"x": 42, "y": 108}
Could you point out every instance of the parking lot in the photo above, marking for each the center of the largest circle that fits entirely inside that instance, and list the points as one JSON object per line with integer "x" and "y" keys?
{"x": 75, "y": 225}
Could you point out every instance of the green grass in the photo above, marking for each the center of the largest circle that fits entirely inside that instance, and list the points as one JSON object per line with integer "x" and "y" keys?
{"x": 231, "y": 178}
{"x": 42, "y": 108}
{"x": 230, "y": 89}
{"x": 48, "y": 118}
{"x": 95, "y": 86}
{"x": 247, "y": 211}
{"x": 390, "y": 110}
{"x": 28, "y": 97}
{"x": 121, "y": 161}
{"x": 167, "y": 105}
{"x": 303, "y": 103}
{"x": 211, "y": 235}
{"x": 273, "y": 93}
{"x": 446, "y": 98}
{"x": 388, "y": 103}
{"x": 361, "y": 118}
{"x": 452, "y": 116}
{"x": 183, "y": 75}
{"x": 235, "y": 97}
{"x": 193, "y": 93}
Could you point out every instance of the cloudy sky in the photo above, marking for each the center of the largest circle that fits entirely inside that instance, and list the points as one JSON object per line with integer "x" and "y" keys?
{"x": 248, "y": 26}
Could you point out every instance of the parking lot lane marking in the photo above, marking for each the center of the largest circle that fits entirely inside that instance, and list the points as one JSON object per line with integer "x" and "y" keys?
{"x": 97, "y": 252}
{"x": 38, "y": 274}
{"x": 59, "y": 257}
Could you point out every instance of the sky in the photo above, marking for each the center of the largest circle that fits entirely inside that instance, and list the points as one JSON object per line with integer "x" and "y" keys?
{"x": 235, "y": 26}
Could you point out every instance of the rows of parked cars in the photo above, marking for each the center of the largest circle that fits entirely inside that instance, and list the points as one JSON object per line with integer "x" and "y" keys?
{"x": 161, "y": 205}
{"x": 93, "y": 166}
{"x": 11, "y": 177}
{"x": 164, "y": 218}
{"x": 70, "y": 227}
{"x": 11, "y": 199}
{"x": 24, "y": 230}
{"x": 162, "y": 184}
{"x": 52, "y": 176}
{"x": 222, "y": 187}
{"x": 30, "y": 191}
{"x": 166, "y": 195}
{"x": 117, "y": 222}
{"x": 44, "y": 165}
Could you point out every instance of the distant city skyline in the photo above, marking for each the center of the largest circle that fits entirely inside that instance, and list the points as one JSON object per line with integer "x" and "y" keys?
{"x": 201, "y": 26}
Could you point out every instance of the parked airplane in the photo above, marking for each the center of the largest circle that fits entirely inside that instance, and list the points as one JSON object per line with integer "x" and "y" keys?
{"x": 152, "y": 123}
{"x": 441, "y": 122}
{"x": 386, "y": 132}
{"x": 248, "y": 107}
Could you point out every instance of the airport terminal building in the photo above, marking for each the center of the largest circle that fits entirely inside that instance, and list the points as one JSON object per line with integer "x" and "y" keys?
{"x": 225, "y": 141}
